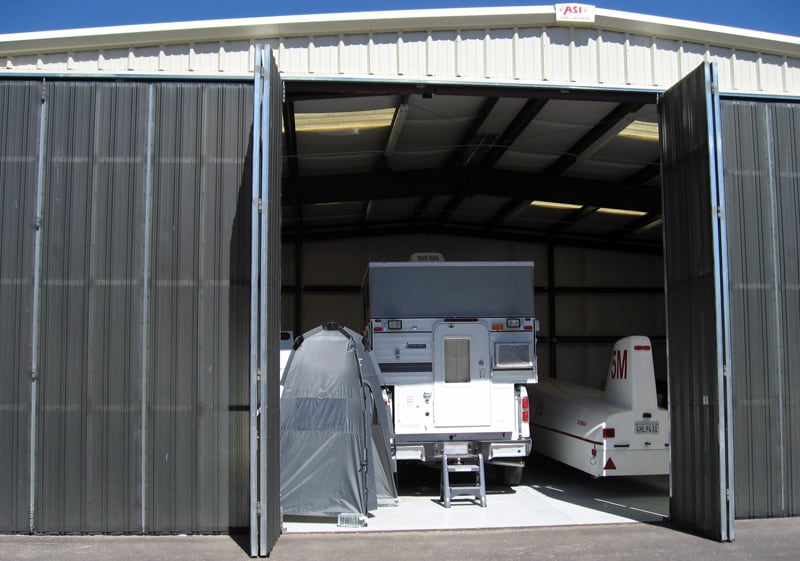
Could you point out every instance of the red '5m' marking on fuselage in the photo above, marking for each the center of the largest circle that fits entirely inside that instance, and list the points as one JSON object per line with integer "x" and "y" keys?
{"x": 619, "y": 365}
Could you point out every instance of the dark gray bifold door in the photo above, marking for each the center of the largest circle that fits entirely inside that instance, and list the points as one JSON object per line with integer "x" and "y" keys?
{"x": 265, "y": 517}
{"x": 697, "y": 309}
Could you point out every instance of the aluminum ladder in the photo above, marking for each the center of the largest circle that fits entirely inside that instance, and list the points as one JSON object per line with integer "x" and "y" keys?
{"x": 463, "y": 464}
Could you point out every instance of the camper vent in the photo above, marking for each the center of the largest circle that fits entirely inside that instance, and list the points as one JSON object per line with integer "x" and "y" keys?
{"x": 427, "y": 257}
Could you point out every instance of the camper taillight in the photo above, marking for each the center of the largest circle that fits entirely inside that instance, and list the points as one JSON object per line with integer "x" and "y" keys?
{"x": 525, "y": 409}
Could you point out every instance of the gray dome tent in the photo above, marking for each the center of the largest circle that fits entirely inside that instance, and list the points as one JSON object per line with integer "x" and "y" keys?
{"x": 335, "y": 433}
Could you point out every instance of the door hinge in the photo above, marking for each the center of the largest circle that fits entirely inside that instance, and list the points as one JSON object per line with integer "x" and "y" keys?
{"x": 260, "y": 204}
{"x": 258, "y": 508}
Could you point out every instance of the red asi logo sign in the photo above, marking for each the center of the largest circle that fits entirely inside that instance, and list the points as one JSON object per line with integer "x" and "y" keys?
{"x": 619, "y": 365}
{"x": 575, "y": 12}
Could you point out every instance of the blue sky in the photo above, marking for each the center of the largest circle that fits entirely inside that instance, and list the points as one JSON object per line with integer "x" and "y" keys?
{"x": 777, "y": 16}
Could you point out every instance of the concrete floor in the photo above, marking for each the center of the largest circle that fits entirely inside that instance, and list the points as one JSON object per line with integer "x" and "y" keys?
{"x": 761, "y": 540}
{"x": 550, "y": 494}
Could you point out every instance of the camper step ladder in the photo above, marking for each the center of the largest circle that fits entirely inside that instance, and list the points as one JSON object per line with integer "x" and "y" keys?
{"x": 463, "y": 464}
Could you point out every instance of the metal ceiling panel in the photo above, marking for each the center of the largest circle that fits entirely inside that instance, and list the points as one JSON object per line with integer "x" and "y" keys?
{"x": 524, "y": 160}
{"x": 598, "y": 224}
{"x": 612, "y": 171}
{"x": 478, "y": 209}
{"x": 534, "y": 218}
{"x": 560, "y": 124}
{"x": 502, "y": 114}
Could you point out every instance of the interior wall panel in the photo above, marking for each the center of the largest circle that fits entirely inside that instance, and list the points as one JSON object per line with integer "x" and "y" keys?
{"x": 20, "y": 111}
{"x": 598, "y": 294}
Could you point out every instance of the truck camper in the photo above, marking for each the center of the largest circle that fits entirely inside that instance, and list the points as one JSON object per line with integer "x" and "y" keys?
{"x": 456, "y": 345}
{"x": 619, "y": 431}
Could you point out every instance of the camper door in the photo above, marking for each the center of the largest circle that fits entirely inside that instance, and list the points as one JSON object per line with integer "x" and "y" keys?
{"x": 461, "y": 375}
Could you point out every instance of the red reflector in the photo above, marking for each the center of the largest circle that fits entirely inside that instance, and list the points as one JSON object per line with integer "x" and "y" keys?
{"x": 609, "y": 433}
{"x": 525, "y": 402}
{"x": 528, "y": 328}
{"x": 610, "y": 464}
{"x": 525, "y": 416}
{"x": 378, "y": 329}
{"x": 284, "y": 335}
{"x": 641, "y": 348}
{"x": 594, "y": 451}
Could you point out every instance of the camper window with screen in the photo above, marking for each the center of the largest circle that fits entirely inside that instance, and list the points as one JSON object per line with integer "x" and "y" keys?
{"x": 456, "y": 360}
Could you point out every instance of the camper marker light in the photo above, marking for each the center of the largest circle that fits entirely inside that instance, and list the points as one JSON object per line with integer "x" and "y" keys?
{"x": 609, "y": 433}
{"x": 497, "y": 327}
{"x": 513, "y": 323}
{"x": 395, "y": 324}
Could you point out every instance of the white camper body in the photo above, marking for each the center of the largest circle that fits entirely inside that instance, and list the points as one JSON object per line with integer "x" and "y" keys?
{"x": 619, "y": 431}
{"x": 455, "y": 344}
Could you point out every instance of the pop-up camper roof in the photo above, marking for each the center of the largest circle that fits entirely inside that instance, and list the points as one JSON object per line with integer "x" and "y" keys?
{"x": 449, "y": 289}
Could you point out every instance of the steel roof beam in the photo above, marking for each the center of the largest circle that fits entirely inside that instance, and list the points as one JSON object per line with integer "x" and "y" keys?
{"x": 513, "y": 130}
{"x": 648, "y": 172}
{"x": 518, "y": 235}
{"x": 632, "y": 228}
{"x": 466, "y": 182}
{"x": 572, "y": 218}
{"x": 609, "y": 122}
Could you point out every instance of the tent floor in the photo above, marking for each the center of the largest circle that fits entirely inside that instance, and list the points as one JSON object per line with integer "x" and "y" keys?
{"x": 550, "y": 494}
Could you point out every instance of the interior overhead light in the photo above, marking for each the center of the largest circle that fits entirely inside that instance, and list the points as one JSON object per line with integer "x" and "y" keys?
{"x": 621, "y": 212}
{"x": 559, "y": 206}
{"x": 640, "y": 130}
{"x": 345, "y": 121}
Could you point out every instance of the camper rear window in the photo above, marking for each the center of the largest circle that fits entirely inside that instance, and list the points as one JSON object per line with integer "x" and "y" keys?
{"x": 456, "y": 360}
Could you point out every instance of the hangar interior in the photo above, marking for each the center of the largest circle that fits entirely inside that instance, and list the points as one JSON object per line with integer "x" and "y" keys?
{"x": 570, "y": 181}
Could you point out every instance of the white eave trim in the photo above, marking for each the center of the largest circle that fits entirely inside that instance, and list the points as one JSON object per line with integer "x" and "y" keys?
{"x": 387, "y": 21}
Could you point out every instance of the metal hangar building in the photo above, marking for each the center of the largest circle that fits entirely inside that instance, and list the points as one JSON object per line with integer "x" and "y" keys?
{"x": 173, "y": 195}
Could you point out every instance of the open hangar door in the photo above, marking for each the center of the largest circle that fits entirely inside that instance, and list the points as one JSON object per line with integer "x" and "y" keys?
{"x": 377, "y": 171}
{"x": 572, "y": 180}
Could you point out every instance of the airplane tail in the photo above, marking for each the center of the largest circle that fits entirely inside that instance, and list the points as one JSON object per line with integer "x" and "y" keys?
{"x": 631, "y": 381}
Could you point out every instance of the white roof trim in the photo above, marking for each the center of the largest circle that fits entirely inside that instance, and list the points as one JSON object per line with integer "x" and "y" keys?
{"x": 387, "y": 21}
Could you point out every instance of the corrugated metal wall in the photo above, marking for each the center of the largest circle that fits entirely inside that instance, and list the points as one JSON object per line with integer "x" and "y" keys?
{"x": 762, "y": 177}
{"x": 142, "y": 402}
{"x": 546, "y": 55}
{"x": 19, "y": 157}
{"x": 88, "y": 437}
